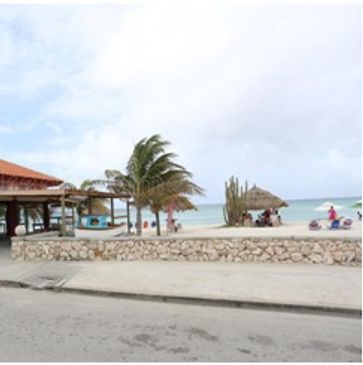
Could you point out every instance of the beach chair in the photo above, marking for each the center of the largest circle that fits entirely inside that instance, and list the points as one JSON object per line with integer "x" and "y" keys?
{"x": 347, "y": 223}
{"x": 314, "y": 225}
{"x": 335, "y": 224}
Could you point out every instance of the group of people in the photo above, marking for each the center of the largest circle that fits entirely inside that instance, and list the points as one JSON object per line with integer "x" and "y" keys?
{"x": 332, "y": 215}
{"x": 145, "y": 225}
{"x": 335, "y": 221}
{"x": 269, "y": 217}
{"x": 173, "y": 227}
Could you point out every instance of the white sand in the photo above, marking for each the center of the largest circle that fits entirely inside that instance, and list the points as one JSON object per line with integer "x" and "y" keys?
{"x": 296, "y": 229}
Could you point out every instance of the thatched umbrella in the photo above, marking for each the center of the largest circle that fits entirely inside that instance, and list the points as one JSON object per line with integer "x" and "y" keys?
{"x": 258, "y": 199}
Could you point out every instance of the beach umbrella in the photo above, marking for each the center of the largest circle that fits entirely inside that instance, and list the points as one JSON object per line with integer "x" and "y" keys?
{"x": 325, "y": 207}
{"x": 357, "y": 204}
{"x": 258, "y": 199}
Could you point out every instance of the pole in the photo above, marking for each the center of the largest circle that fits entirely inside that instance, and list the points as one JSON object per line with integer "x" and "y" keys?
{"x": 128, "y": 216}
{"x": 89, "y": 206}
{"x": 73, "y": 218}
{"x": 46, "y": 216}
{"x": 63, "y": 219}
{"x": 26, "y": 219}
{"x": 112, "y": 212}
{"x": 12, "y": 217}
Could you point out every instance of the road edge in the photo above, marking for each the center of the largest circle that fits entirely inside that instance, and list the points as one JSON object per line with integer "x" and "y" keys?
{"x": 164, "y": 298}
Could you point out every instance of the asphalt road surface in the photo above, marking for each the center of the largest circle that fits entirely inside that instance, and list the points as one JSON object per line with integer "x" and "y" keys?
{"x": 47, "y": 326}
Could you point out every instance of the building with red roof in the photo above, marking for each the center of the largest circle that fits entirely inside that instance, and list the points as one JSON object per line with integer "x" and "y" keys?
{"x": 16, "y": 177}
{"x": 22, "y": 189}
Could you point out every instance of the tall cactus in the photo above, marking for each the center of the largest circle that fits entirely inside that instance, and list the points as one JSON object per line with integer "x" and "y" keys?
{"x": 235, "y": 205}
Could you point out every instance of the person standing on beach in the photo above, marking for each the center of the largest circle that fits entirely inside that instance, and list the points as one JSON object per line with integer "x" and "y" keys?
{"x": 332, "y": 214}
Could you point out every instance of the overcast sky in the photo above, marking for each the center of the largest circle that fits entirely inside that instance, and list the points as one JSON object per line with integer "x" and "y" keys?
{"x": 269, "y": 93}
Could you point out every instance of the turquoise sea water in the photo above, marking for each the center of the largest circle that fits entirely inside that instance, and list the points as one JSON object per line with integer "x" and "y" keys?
{"x": 212, "y": 214}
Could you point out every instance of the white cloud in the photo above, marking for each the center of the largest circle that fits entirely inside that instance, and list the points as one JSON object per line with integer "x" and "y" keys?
{"x": 4, "y": 129}
{"x": 269, "y": 93}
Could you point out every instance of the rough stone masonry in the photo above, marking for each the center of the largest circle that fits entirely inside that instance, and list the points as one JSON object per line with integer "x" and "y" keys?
{"x": 274, "y": 250}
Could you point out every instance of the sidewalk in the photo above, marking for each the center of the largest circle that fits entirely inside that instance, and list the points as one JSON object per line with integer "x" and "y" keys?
{"x": 299, "y": 286}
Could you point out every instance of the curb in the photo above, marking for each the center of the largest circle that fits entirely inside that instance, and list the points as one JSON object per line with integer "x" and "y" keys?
{"x": 13, "y": 284}
{"x": 229, "y": 303}
{"x": 226, "y": 303}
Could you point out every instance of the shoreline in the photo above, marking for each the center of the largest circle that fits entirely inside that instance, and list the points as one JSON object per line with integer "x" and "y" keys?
{"x": 289, "y": 229}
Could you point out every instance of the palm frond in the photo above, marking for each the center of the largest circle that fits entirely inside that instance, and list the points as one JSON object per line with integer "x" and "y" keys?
{"x": 153, "y": 178}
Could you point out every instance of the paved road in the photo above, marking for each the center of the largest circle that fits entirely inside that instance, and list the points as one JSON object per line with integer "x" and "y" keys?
{"x": 48, "y": 326}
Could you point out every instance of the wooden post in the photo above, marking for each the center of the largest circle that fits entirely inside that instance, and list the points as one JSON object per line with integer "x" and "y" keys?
{"x": 26, "y": 219}
{"x": 12, "y": 217}
{"x": 7, "y": 218}
{"x": 112, "y": 212}
{"x": 128, "y": 216}
{"x": 73, "y": 218}
{"x": 63, "y": 219}
{"x": 46, "y": 216}
{"x": 89, "y": 205}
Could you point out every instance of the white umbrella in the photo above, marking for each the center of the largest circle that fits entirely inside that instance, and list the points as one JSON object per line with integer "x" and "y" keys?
{"x": 325, "y": 207}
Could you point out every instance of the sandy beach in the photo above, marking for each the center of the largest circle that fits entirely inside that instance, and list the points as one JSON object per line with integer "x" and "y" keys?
{"x": 296, "y": 229}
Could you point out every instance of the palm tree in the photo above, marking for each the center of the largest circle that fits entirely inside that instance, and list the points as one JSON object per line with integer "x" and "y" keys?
{"x": 148, "y": 171}
{"x": 176, "y": 191}
{"x": 88, "y": 204}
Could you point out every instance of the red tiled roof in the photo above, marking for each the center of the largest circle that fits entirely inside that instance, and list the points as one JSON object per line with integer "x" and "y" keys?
{"x": 13, "y": 170}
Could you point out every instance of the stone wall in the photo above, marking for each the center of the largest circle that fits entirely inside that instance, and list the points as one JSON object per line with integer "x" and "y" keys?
{"x": 283, "y": 250}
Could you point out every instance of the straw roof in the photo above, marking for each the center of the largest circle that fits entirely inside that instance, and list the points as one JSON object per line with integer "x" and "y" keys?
{"x": 258, "y": 199}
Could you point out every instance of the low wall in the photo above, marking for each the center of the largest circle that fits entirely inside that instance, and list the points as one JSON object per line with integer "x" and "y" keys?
{"x": 283, "y": 250}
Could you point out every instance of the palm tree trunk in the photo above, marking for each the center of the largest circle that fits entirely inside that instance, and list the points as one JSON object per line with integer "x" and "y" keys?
{"x": 138, "y": 221}
{"x": 157, "y": 218}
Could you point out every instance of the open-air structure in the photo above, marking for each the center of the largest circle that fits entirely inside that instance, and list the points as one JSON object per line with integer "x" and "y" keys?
{"x": 22, "y": 188}
{"x": 259, "y": 199}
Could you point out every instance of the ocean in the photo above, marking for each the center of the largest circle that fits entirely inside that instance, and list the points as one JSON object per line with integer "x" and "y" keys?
{"x": 212, "y": 214}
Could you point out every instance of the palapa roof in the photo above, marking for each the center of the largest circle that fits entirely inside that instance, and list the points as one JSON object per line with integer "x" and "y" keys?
{"x": 13, "y": 170}
{"x": 258, "y": 199}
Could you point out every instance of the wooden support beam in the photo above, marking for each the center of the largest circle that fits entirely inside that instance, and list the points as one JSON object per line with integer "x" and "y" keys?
{"x": 89, "y": 206}
{"x": 112, "y": 212}
{"x": 73, "y": 218}
{"x": 46, "y": 217}
{"x": 26, "y": 219}
{"x": 63, "y": 217}
{"x": 12, "y": 217}
{"x": 7, "y": 218}
{"x": 128, "y": 216}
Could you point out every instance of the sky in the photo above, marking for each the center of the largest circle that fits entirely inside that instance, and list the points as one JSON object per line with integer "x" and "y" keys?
{"x": 268, "y": 93}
